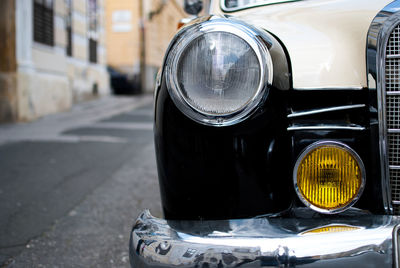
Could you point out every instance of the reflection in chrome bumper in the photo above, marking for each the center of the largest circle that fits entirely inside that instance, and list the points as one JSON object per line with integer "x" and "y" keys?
{"x": 366, "y": 241}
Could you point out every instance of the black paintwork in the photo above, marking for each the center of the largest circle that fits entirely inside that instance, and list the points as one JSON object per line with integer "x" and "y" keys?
{"x": 246, "y": 169}
{"x": 226, "y": 172}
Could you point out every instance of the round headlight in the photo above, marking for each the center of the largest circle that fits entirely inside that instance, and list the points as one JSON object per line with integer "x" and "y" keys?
{"x": 217, "y": 72}
{"x": 329, "y": 177}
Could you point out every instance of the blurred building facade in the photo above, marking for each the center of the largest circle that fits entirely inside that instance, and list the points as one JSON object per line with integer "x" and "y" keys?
{"x": 138, "y": 33}
{"x": 53, "y": 55}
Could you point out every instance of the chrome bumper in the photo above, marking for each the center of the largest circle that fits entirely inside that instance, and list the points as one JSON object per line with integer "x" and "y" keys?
{"x": 364, "y": 241}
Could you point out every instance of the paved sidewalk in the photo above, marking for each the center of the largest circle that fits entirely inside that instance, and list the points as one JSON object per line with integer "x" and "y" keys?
{"x": 52, "y": 126}
{"x": 72, "y": 183}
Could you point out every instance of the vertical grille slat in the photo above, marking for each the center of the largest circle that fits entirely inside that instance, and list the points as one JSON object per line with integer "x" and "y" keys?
{"x": 392, "y": 85}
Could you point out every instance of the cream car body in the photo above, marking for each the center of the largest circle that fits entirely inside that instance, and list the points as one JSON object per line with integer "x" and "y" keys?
{"x": 325, "y": 39}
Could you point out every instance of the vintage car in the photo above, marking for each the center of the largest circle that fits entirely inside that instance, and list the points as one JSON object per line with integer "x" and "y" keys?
{"x": 277, "y": 136}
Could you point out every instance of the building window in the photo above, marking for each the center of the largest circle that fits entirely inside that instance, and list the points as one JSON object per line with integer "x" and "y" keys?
{"x": 43, "y": 22}
{"x": 68, "y": 26}
{"x": 93, "y": 35}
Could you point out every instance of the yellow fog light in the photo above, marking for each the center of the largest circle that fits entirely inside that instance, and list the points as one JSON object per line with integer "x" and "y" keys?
{"x": 329, "y": 177}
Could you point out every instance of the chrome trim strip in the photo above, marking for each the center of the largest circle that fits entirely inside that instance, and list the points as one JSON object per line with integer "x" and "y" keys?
{"x": 325, "y": 127}
{"x": 261, "y": 3}
{"x": 393, "y": 130}
{"x": 394, "y": 167}
{"x": 330, "y": 88}
{"x": 393, "y": 93}
{"x": 395, "y": 202}
{"x": 393, "y": 56}
{"x": 378, "y": 36}
{"x": 336, "y": 144}
{"x": 265, "y": 242}
{"x": 396, "y": 246}
{"x": 158, "y": 84}
{"x": 325, "y": 110}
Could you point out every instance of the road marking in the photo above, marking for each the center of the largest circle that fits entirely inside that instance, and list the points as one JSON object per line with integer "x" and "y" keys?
{"x": 76, "y": 139}
{"x": 118, "y": 125}
{"x": 102, "y": 139}
{"x": 148, "y": 112}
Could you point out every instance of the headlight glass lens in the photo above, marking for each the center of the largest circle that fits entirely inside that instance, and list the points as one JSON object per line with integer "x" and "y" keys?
{"x": 329, "y": 177}
{"x": 218, "y": 73}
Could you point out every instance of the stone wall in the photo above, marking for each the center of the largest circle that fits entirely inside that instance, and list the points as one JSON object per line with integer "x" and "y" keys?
{"x": 38, "y": 79}
{"x": 42, "y": 93}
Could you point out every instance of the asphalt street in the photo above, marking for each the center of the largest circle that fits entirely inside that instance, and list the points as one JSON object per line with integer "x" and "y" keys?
{"x": 72, "y": 184}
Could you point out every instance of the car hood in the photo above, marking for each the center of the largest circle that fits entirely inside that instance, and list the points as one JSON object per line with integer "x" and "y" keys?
{"x": 325, "y": 39}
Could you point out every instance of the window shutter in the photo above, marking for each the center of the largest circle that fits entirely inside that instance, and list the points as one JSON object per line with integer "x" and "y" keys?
{"x": 43, "y": 22}
{"x": 68, "y": 23}
{"x": 92, "y": 50}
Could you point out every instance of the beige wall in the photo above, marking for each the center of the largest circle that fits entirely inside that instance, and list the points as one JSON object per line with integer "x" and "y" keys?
{"x": 123, "y": 36}
{"x": 86, "y": 78}
{"x": 42, "y": 93}
{"x": 38, "y": 79}
{"x": 160, "y": 29}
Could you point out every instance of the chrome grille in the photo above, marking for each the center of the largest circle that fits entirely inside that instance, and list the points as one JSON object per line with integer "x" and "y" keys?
{"x": 393, "y": 112}
{"x": 392, "y": 89}
{"x": 395, "y": 182}
{"x": 394, "y": 149}
{"x": 392, "y": 72}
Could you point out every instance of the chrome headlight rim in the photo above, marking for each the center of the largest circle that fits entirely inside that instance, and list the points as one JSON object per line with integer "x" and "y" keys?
{"x": 253, "y": 37}
{"x": 340, "y": 145}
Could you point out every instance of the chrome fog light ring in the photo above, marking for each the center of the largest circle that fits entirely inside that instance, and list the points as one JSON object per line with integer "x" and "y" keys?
{"x": 214, "y": 109}
{"x": 351, "y": 155}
